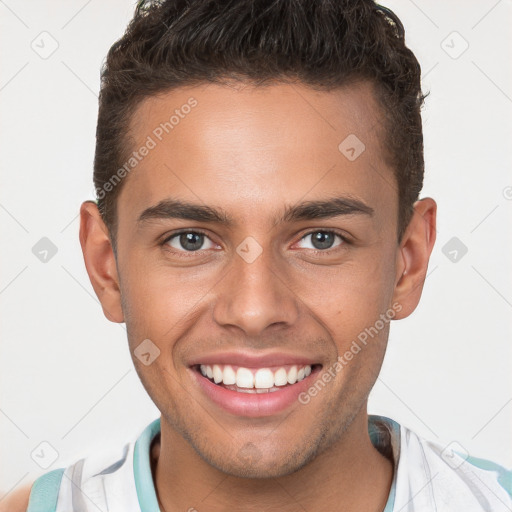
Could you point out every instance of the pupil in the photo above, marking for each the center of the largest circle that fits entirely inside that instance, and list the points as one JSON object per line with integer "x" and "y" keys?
{"x": 323, "y": 240}
{"x": 195, "y": 239}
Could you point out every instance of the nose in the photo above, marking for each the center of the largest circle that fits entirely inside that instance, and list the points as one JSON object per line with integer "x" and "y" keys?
{"x": 255, "y": 295}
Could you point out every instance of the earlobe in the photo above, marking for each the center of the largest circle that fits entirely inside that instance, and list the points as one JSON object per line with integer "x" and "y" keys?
{"x": 413, "y": 256}
{"x": 100, "y": 261}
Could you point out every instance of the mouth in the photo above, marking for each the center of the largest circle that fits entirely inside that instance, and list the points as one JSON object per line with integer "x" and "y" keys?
{"x": 254, "y": 391}
{"x": 255, "y": 380}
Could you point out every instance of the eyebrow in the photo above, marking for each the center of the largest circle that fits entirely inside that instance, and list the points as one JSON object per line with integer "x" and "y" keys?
{"x": 308, "y": 210}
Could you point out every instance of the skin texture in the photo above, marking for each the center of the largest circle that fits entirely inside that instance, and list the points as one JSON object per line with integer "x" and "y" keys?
{"x": 252, "y": 152}
{"x": 16, "y": 501}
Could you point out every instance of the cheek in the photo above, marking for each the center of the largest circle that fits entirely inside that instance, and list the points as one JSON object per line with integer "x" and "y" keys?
{"x": 352, "y": 299}
{"x": 159, "y": 300}
{"x": 355, "y": 288}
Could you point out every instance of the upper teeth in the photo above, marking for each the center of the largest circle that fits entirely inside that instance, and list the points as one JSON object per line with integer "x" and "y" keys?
{"x": 250, "y": 378}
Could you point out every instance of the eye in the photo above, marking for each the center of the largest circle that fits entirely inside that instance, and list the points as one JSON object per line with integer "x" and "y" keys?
{"x": 188, "y": 241}
{"x": 323, "y": 240}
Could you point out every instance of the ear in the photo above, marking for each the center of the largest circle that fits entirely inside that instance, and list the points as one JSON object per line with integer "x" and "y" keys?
{"x": 100, "y": 261}
{"x": 413, "y": 256}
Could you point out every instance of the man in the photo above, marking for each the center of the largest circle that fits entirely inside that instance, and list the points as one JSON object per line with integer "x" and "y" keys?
{"x": 257, "y": 227}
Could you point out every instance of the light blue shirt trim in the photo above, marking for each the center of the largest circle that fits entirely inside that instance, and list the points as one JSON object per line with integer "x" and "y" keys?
{"x": 45, "y": 492}
{"x": 142, "y": 469}
{"x": 504, "y": 475}
{"x": 375, "y": 439}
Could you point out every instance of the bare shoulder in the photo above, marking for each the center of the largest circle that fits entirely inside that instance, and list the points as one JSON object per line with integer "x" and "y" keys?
{"x": 17, "y": 500}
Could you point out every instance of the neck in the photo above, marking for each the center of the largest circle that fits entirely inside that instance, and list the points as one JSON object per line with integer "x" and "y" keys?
{"x": 351, "y": 475}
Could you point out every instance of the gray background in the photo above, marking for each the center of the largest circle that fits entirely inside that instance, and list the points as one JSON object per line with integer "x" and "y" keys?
{"x": 66, "y": 377}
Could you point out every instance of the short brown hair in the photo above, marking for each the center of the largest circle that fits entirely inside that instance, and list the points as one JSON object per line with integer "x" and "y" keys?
{"x": 321, "y": 43}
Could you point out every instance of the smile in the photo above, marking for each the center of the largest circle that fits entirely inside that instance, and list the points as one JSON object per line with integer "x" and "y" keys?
{"x": 255, "y": 380}
{"x": 254, "y": 390}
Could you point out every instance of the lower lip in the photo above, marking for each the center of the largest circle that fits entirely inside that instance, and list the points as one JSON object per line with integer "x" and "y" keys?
{"x": 254, "y": 404}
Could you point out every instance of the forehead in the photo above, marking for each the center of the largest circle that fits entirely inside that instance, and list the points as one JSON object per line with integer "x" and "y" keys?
{"x": 244, "y": 147}
{"x": 253, "y": 115}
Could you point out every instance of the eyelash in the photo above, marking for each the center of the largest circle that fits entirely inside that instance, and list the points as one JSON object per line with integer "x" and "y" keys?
{"x": 345, "y": 240}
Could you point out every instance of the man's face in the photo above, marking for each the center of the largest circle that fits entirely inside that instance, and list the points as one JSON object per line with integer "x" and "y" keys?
{"x": 268, "y": 289}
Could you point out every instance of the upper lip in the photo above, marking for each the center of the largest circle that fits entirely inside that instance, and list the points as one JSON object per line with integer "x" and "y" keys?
{"x": 248, "y": 360}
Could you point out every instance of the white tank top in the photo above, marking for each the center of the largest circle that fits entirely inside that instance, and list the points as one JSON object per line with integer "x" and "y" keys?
{"x": 427, "y": 477}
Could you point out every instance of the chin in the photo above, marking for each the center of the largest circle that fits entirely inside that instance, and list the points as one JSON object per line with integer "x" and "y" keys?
{"x": 250, "y": 462}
